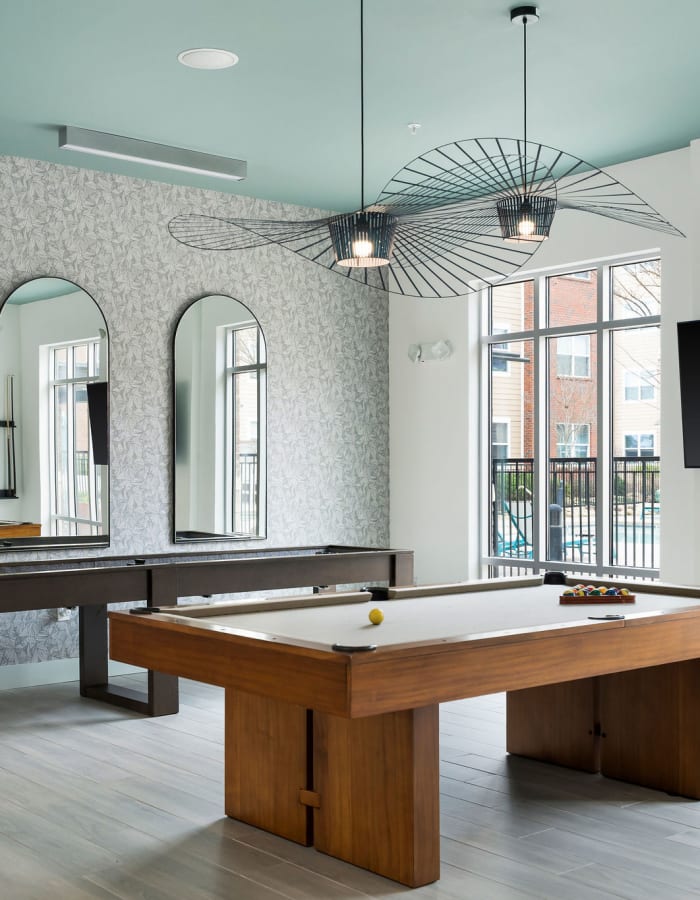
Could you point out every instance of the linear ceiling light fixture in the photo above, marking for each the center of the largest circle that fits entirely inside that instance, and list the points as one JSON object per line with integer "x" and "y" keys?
{"x": 98, "y": 143}
{"x": 455, "y": 219}
{"x": 525, "y": 215}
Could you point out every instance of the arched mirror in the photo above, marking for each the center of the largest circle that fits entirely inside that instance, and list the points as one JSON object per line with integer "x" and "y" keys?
{"x": 54, "y": 423}
{"x": 220, "y": 422}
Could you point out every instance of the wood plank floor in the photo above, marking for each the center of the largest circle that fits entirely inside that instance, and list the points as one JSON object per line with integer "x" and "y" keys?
{"x": 96, "y": 802}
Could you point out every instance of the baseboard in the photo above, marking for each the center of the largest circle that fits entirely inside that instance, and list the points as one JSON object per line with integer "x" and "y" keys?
{"x": 54, "y": 671}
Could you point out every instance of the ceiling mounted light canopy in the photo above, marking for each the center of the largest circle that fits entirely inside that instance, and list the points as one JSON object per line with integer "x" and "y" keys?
{"x": 98, "y": 143}
{"x": 455, "y": 219}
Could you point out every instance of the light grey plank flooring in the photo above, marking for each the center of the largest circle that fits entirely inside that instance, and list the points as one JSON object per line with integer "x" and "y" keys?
{"x": 97, "y": 803}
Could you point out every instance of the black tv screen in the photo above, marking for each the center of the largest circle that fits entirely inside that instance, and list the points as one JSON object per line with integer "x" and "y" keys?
{"x": 689, "y": 366}
{"x": 98, "y": 411}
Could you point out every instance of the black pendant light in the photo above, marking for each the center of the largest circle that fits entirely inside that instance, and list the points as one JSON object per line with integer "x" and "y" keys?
{"x": 525, "y": 215}
{"x": 363, "y": 239}
{"x": 458, "y": 217}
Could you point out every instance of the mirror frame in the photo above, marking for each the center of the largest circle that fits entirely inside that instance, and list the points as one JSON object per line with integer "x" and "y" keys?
{"x": 197, "y": 537}
{"x": 63, "y": 542}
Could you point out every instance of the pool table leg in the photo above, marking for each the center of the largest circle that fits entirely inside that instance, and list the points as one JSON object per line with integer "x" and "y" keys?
{"x": 377, "y": 782}
{"x": 651, "y": 727}
{"x": 641, "y": 726}
{"x": 267, "y": 769}
{"x": 556, "y": 723}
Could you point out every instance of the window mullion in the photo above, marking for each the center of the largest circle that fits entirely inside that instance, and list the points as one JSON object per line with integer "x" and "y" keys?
{"x": 604, "y": 423}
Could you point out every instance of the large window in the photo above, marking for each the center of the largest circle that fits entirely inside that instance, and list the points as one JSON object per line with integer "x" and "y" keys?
{"x": 76, "y": 489}
{"x": 581, "y": 394}
{"x": 246, "y": 370}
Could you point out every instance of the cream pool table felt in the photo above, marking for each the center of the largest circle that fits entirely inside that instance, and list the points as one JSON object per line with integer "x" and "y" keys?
{"x": 339, "y": 748}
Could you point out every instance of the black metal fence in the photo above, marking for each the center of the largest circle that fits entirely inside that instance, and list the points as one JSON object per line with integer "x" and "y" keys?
{"x": 246, "y": 503}
{"x": 511, "y": 519}
{"x": 636, "y": 511}
{"x": 571, "y": 514}
{"x": 572, "y": 502}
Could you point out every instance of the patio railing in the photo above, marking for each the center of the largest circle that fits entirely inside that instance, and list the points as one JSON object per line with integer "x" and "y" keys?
{"x": 571, "y": 514}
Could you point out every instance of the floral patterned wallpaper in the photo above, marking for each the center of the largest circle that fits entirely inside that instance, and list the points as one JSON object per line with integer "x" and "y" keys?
{"x": 328, "y": 371}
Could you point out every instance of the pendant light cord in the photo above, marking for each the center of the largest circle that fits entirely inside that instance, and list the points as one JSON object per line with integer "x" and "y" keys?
{"x": 524, "y": 166}
{"x": 362, "y": 106}
{"x": 525, "y": 81}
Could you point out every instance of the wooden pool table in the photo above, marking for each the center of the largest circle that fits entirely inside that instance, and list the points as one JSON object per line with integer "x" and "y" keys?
{"x": 338, "y": 747}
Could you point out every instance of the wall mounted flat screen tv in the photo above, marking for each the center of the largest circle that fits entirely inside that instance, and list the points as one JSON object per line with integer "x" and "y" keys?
{"x": 689, "y": 366}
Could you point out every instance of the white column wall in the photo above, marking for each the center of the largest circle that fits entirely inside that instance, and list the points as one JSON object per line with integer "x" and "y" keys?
{"x": 435, "y": 425}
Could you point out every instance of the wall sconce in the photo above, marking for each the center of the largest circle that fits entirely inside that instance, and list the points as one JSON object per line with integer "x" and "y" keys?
{"x": 431, "y": 352}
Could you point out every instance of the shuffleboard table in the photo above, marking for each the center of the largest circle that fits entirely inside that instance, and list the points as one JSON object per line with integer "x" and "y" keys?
{"x": 332, "y": 722}
{"x": 91, "y": 584}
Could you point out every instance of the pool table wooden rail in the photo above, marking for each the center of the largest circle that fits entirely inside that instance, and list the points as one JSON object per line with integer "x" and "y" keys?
{"x": 404, "y": 676}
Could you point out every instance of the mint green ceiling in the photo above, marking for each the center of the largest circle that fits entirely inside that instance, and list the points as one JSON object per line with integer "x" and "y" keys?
{"x": 609, "y": 81}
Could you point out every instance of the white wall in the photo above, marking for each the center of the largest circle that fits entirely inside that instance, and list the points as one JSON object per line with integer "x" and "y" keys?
{"x": 434, "y": 411}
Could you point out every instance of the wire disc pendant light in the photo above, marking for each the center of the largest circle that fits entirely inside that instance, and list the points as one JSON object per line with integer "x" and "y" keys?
{"x": 525, "y": 215}
{"x": 363, "y": 239}
{"x": 456, "y": 218}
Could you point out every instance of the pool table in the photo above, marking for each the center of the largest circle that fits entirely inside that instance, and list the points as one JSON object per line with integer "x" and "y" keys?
{"x": 332, "y": 722}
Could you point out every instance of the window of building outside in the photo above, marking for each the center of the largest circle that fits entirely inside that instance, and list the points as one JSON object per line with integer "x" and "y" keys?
{"x": 499, "y": 362}
{"x": 639, "y": 386}
{"x": 580, "y": 484}
{"x": 499, "y": 440}
{"x": 246, "y": 372}
{"x": 75, "y": 481}
{"x": 573, "y": 440}
{"x": 574, "y": 356}
{"x": 639, "y": 445}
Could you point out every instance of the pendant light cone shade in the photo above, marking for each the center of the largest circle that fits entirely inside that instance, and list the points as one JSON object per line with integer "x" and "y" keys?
{"x": 363, "y": 239}
{"x": 525, "y": 218}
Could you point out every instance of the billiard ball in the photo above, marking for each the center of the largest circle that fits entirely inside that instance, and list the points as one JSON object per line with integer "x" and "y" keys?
{"x": 376, "y": 616}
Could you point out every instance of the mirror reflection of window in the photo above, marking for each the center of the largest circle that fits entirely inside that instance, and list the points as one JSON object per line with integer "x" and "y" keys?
{"x": 53, "y": 364}
{"x": 76, "y": 482}
{"x": 246, "y": 390}
{"x": 220, "y": 422}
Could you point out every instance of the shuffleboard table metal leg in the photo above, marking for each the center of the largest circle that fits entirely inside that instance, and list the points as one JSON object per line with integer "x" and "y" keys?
{"x": 161, "y": 698}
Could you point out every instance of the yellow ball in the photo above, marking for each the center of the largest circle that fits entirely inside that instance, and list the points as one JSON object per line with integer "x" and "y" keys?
{"x": 376, "y": 616}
